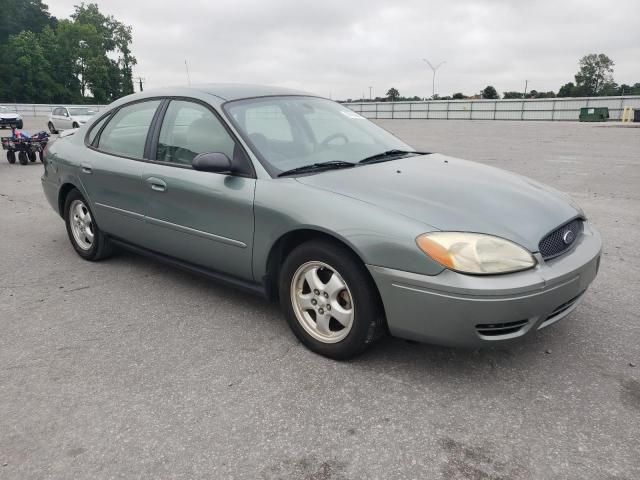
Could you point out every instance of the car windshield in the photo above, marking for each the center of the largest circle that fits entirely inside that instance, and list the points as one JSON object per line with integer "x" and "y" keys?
{"x": 80, "y": 111}
{"x": 294, "y": 131}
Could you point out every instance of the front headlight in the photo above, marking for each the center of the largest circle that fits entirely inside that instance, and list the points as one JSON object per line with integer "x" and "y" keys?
{"x": 475, "y": 253}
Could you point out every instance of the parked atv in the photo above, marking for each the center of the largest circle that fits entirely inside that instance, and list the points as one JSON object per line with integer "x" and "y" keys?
{"x": 27, "y": 147}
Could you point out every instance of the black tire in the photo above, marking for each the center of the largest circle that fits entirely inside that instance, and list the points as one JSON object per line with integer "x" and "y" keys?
{"x": 22, "y": 158}
{"x": 41, "y": 156}
{"x": 368, "y": 317}
{"x": 11, "y": 156}
{"x": 52, "y": 129}
{"x": 100, "y": 248}
{"x": 75, "y": 125}
{"x": 32, "y": 156}
{"x": 20, "y": 124}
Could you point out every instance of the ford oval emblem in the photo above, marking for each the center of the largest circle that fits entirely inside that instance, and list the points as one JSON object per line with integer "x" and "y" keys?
{"x": 568, "y": 237}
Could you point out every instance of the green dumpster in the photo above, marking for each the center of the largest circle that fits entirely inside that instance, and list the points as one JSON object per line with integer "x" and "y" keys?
{"x": 594, "y": 114}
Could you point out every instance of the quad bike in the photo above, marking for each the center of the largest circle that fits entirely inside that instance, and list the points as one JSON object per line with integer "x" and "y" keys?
{"x": 27, "y": 147}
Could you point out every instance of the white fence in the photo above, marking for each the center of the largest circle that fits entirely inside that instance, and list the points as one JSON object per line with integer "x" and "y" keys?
{"x": 42, "y": 109}
{"x": 537, "y": 109}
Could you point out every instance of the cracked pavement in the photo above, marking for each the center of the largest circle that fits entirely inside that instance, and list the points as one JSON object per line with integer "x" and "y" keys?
{"x": 131, "y": 369}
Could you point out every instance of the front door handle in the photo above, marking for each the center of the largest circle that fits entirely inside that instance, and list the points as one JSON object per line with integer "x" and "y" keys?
{"x": 86, "y": 168}
{"x": 157, "y": 184}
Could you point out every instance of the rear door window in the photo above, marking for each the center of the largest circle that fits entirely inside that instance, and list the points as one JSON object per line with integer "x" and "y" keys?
{"x": 126, "y": 132}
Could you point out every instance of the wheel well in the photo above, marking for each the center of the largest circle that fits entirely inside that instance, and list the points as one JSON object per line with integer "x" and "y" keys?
{"x": 284, "y": 245}
{"x": 62, "y": 196}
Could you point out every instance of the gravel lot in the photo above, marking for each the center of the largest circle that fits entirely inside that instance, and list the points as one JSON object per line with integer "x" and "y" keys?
{"x": 131, "y": 369}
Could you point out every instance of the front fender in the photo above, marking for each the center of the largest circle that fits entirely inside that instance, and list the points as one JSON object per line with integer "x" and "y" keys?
{"x": 379, "y": 237}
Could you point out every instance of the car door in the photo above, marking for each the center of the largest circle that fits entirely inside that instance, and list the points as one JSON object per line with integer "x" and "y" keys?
{"x": 65, "y": 122}
{"x": 55, "y": 118}
{"x": 203, "y": 218}
{"x": 111, "y": 171}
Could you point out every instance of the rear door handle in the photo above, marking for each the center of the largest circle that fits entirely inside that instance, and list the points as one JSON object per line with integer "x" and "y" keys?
{"x": 157, "y": 184}
{"x": 86, "y": 168}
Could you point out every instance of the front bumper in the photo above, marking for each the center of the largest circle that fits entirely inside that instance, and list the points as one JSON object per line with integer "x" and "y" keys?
{"x": 6, "y": 122}
{"x": 466, "y": 310}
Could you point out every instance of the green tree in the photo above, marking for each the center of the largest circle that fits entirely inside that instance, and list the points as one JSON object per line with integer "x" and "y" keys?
{"x": 82, "y": 59}
{"x": 596, "y": 74}
{"x": 459, "y": 96}
{"x": 19, "y": 15}
{"x": 567, "y": 90}
{"x": 393, "y": 94}
{"x": 490, "y": 93}
{"x": 27, "y": 71}
{"x": 512, "y": 95}
{"x": 107, "y": 78}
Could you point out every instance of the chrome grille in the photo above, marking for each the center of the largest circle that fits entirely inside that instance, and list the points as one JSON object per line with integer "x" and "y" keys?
{"x": 556, "y": 242}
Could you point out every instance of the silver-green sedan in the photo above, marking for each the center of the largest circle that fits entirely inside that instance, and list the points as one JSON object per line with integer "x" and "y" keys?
{"x": 300, "y": 199}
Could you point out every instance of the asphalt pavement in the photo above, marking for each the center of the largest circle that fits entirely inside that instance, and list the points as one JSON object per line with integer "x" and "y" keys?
{"x": 131, "y": 369}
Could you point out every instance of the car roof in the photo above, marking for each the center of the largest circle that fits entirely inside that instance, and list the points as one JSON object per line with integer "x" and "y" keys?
{"x": 224, "y": 91}
{"x": 237, "y": 91}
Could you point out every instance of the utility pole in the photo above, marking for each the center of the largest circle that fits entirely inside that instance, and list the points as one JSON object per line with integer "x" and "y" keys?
{"x": 526, "y": 84}
{"x": 433, "y": 83}
{"x": 140, "y": 82}
{"x": 370, "y": 98}
{"x": 186, "y": 65}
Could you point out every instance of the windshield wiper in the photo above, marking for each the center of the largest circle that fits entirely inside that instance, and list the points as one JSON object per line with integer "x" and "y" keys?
{"x": 334, "y": 164}
{"x": 388, "y": 155}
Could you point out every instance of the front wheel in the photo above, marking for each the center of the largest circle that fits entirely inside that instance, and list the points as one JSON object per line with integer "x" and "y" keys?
{"x": 11, "y": 156}
{"x": 52, "y": 129}
{"x": 329, "y": 299}
{"x": 85, "y": 236}
{"x": 22, "y": 157}
{"x": 32, "y": 156}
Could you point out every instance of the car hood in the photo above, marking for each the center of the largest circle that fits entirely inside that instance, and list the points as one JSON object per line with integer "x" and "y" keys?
{"x": 82, "y": 118}
{"x": 450, "y": 194}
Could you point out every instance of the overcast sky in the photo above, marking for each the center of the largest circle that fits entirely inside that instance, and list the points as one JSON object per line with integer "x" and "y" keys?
{"x": 341, "y": 47}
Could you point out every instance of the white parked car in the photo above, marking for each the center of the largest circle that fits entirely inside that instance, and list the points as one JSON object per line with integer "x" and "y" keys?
{"x": 8, "y": 118}
{"x": 63, "y": 118}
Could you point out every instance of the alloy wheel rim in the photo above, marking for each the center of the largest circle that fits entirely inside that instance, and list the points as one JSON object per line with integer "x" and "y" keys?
{"x": 81, "y": 224}
{"x": 322, "y": 302}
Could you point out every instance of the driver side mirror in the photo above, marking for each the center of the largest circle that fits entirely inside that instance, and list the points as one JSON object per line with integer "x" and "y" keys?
{"x": 212, "y": 162}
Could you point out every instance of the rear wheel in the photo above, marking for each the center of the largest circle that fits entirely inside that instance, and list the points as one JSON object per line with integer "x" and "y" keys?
{"x": 11, "y": 156}
{"x": 329, "y": 300}
{"x": 41, "y": 156}
{"x": 85, "y": 236}
{"x": 22, "y": 158}
{"x": 32, "y": 156}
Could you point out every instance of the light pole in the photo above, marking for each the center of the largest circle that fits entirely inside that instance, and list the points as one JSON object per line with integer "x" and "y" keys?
{"x": 433, "y": 84}
{"x": 186, "y": 66}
